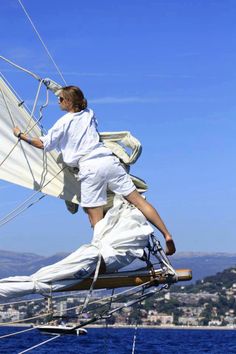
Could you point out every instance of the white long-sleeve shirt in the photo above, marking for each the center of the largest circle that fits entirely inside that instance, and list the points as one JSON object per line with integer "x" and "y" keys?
{"x": 75, "y": 135}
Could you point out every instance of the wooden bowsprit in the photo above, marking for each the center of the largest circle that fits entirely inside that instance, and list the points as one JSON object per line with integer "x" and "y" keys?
{"x": 133, "y": 278}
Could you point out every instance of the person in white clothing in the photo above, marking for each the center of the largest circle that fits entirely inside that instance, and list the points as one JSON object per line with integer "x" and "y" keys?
{"x": 75, "y": 135}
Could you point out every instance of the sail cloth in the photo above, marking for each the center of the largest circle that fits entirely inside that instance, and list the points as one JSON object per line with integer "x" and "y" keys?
{"x": 120, "y": 237}
{"x": 26, "y": 166}
{"x": 32, "y": 168}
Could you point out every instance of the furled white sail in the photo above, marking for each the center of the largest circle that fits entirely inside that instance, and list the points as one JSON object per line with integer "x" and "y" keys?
{"x": 120, "y": 238}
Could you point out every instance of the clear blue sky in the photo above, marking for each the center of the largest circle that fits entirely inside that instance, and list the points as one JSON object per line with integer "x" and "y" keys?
{"x": 162, "y": 69}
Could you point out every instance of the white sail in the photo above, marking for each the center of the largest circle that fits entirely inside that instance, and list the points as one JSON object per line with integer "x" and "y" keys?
{"x": 26, "y": 166}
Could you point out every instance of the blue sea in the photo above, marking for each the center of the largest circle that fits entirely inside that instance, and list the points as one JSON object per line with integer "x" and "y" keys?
{"x": 120, "y": 341}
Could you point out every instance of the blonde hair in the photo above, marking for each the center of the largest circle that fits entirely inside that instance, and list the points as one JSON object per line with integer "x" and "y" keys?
{"x": 76, "y": 96}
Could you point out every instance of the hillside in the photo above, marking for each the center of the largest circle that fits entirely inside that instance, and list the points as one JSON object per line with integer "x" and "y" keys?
{"x": 218, "y": 283}
{"x": 209, "y": 302}
{"x": 202, "y": 264}
{"x": 13, "y": 263}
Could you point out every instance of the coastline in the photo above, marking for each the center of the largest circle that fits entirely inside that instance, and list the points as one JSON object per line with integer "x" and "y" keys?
{"x": 226, "y": 328}
{"x": 168, "y": 327}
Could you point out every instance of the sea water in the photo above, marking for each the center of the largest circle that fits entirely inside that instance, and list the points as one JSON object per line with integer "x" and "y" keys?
{"x": 120, "y": 341}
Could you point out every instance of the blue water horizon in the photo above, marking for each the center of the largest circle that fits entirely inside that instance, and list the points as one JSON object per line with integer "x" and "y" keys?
{"x": 120, "y": 341}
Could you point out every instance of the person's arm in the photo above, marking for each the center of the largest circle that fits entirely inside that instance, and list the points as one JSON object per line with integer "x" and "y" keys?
{"x": 36, "y": 142}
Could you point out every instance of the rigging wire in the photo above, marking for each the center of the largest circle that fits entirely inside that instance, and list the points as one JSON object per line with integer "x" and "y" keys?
{"x": 12, "y": 119}
{"x": 106, "y": 324}
{"x": 3, "y": 324}
{"x": 36, "y": 300}
{"x": 136, "y": 328}
{"x": 41, "y": 40}
{"x": 14, "y": 146}
{"x": 106, "y": 314}
{"x": 142, "y": 297}
{"x": 38, "y": 345}
{"x": 12, "y": 88}
{"x": 8, "y": 108}
{"x": 109, "y": 299}
{"x": 11, "y": 215}
{"x": 15, "y": 333}
{"x": 135, "y": 337}
{"x": 20, "y": 67}
{"x": 34, "y": 107}
{"x": 17, "y": 211}
{"x": 30, "y": 112}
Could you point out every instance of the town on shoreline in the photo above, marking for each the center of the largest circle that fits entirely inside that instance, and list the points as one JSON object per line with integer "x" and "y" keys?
{"x": 208, "y": 304}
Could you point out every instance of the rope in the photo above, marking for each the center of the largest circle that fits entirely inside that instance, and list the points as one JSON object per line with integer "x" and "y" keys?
{"x": 14, "y": 213}
{"x": 15, "y": 333}
{"x": 25, "y": 319}
{"x": 13, "y": 123}
{"x": 41, "y": 40}
{"x": 33, "y": 300}
{"x": 9, "y": 216}
{"x": 93, "y": 282}
{"x": 21, "y": 302}
{"x": 136, "y": 328}
{"x": 111, "y": 297}
{"x": 108, "y": 298}
{"x": 38, "y": 345}
{"x": 41, "y": 109}
{"x": 106, "y": 314}
{"x": 135, "y": 337}
{"x": 141, "y": 298}
{"x": 20, "y": 67}
{"x": 34, "y": 107}
{"x": 8, "y": 108}
{"x": 106, "y": 325}
{"x": 155, "y": 249}
{"x": 17, "y": 211}
{"x": 12, "y": 88}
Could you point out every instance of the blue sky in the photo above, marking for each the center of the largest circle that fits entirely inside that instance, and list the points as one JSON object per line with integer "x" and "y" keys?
{"x": 164, "y": 70}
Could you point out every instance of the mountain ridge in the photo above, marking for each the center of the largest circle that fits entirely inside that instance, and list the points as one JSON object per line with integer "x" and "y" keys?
{"x": 202, "y": 263}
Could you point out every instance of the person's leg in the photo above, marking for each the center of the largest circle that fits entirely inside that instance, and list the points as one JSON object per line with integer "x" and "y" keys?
{"x": 95, "y": 214}
{"x": 152, "y": 215}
